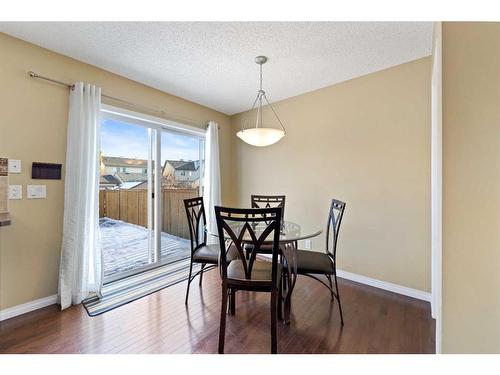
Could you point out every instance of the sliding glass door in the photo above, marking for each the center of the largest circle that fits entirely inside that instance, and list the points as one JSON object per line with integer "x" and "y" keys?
{"x": 147, "y": 170}
{"x": 126, "y": 205}
{"x": 182, "y": 176}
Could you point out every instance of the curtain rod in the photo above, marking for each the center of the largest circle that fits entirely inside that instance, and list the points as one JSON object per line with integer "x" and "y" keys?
{"x": 162, "y": 113}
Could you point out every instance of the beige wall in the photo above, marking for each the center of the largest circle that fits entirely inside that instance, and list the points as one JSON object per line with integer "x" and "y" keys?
{"x": 471, "y": 187}
{"x": 33, "y": 119}
{"x": 366, "y": 142}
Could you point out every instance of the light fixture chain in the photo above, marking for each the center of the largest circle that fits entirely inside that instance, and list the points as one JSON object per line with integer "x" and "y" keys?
{"x": 253, "y": 106}
{"x": 260, "y": 109}
{"x": 275, "y": 114}
{"x": 260, "y": 77}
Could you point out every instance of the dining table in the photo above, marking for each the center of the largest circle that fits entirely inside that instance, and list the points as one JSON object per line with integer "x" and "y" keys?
{"x": 290, "y": 233}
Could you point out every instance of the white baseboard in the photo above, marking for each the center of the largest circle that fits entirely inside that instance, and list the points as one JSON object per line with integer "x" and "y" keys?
{"x": 414, "y": 293}
{"x": 27, "y": 307}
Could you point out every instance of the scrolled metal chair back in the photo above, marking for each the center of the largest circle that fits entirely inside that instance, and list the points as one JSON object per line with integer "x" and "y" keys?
{"x": 333, "y": 225}
{"x": 268, "y": 201}
{"x": 195, "y": 213}
{"x": 237, "y": 226}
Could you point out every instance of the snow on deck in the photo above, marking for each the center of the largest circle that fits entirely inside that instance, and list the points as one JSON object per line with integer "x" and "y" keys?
{"x": 125, "y": 246}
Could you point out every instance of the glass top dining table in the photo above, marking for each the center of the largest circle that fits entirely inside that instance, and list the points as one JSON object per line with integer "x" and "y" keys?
{"x": 290, "y": 233}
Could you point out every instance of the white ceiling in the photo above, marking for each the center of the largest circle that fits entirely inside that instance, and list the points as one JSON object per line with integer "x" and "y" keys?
{"x": 212, "y": 63}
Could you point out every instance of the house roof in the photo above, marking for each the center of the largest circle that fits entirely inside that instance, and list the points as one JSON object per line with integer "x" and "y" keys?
{"x": 140, "y": 185}
{"x": 131, "y": 177}
{"x": 183, "y": 165}
{"x": 130, "y": 185}
{"x": 174, "y": 163}
{"x": 189, "y": 166}
{"x": 112, "y": 161}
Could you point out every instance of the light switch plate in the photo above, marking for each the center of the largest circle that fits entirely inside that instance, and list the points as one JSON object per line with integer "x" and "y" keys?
{"x": 15, "y": 191}
{"x": 36, "y": 191}
{"x": 14, "y": 166}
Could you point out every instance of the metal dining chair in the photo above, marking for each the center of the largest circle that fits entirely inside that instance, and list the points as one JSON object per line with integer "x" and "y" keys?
{"x": 253, "y": 226}
{"x": 311, "y": 263}
{"x": 201, "y": 253}
{"x": 266, "y": 201}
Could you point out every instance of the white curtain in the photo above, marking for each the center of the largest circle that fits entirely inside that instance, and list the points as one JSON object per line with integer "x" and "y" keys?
{"x": 81, "y": 262}
{"x": 211, "y": 190}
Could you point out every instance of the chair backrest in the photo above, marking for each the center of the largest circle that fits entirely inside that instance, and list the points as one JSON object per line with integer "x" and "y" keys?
{"x": 266, "y": 201}
{"x": 333, "y": 225}
{"x": 195, "y": 213}
{"x": 242, "y": 226}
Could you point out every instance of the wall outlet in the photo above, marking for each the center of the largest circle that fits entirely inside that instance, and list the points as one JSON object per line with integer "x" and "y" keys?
{"x": 307, "y": 244}
{"x": 14, "y": 166}
{"x": 37, "y": 191}
{"x": 15, "y": 191}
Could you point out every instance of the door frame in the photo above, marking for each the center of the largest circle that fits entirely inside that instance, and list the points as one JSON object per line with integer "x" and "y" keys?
{"x": 156, "y": 126}
{"x": 437, "y": 182}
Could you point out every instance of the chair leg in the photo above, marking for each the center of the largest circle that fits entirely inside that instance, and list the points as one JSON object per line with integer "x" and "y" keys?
{"x": 280, "y": 299}
{"x": 329, "y": 277}
{"x": 232, "y": 301}
{"x": 201, "y": 272}
{"x": 189, "y": 282}
{"x": 287, "y": 300}
{"x": 338, "y": 297}
{"x": 274, "y": 338}
{"x": 223, "y": 312}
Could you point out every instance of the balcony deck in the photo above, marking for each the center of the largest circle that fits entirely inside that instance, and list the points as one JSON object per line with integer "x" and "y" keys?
{"x": 125, "y": 246}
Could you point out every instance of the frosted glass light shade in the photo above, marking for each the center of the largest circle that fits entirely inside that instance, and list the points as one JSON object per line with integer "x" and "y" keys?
{"x": 260, "y": 136}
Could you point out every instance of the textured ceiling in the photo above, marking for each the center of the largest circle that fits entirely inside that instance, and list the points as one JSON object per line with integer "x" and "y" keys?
{"x": 212, "y": 63}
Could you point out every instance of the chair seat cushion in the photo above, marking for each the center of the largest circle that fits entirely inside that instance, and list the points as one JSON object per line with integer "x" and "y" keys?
{"x": 264, "y": 249}
{"x": 261, "y": 271}
{"x": 309, "y": 261}
{"x": 210, "y": 254}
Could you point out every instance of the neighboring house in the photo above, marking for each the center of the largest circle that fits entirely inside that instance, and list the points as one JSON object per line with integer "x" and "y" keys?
{"x": 122, "y": 173}
{"x": 182, "y": 170}
{"x": 112, "y": 165}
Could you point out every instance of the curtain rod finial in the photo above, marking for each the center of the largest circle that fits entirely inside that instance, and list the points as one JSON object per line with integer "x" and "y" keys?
{"x": 32, "y": 74}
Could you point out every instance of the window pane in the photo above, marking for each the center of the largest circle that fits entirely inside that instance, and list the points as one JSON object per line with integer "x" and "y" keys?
{"x": 181, "y": 172}
{"x": 125, "y": 216}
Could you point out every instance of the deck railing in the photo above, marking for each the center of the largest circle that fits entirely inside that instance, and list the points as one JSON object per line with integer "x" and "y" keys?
{"x": 131, "y": 206}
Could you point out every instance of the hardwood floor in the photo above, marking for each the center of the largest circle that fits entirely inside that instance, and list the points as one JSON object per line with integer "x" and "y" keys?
{"x": 375, "y": 322}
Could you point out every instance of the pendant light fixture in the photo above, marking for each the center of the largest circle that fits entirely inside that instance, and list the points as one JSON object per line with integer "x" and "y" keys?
{"x": 261, "y": 136}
